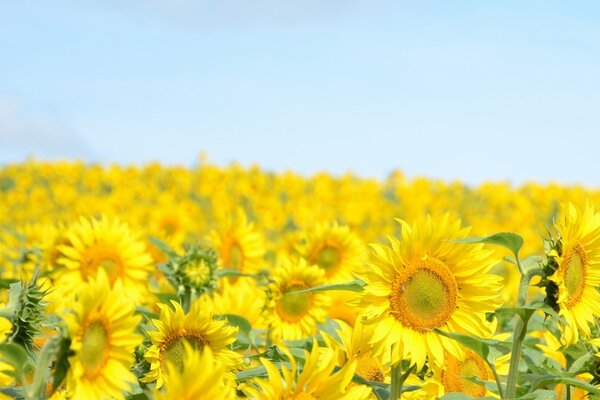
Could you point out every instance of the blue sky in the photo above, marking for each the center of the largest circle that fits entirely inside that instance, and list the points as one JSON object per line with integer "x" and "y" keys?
{"x": 470, "y": 90}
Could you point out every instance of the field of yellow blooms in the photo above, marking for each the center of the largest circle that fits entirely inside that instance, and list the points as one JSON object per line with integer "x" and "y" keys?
{"x": 160, "y": 282}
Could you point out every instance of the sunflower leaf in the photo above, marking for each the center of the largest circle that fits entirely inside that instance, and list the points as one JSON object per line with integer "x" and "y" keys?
{"x": 488, "y": 349}
{"x": 162, "y": 246}
{"x": 16, "y": 356}
{"x": 510, "y": 240}
{"x": 544, "y": 380}
{"x": 540, "y": 395}
{"x": 356, "y": 285}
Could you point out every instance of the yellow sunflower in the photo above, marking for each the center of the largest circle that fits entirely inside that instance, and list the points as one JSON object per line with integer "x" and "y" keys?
{"x": 103, "y": 339}
{"x": 456, "y": 375}
{"x": 425, "y": 281}
{"x": 295, "y": 316}
{"x": 174, "y": 328}
{"x": 372, "y": 360}
{"x": 239, "y": 245}
{"x": 577, "y": 276}
{"x": 335, "y": 249}
{"x": 316, "y": 381}
{"x": 201, "y": 377}
{"x": 105, "y": 244}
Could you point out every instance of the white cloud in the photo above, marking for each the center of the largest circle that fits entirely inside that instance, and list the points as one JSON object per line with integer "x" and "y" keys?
{"x": 25, "y": 133}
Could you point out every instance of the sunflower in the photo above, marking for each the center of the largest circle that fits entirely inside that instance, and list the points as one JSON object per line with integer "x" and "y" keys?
{"x": 456, "y": 375}
{"x": 174, "y": 328}
{"x": 316, "y": 381}
{"x": 239, "y": 245}
{"x": 335, "y": 249}
{"x": 202, "y": 377}
{"x": 103, "y": 339}
{"x": 372, "y": 360}
{"x": 295, "y": 316}
{"x": 425, "y": 281}
{"x": 575, "y": 256}
{"x": 105, "y": 244}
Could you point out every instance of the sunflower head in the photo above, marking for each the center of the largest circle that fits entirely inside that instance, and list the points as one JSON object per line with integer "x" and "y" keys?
{"x": 293, "y": 315}
{"x": 175, "y": 329}
{"x": 315, "y": 381}
{"x": 572, "y": 270}
{"x": 423, "y": 281}
{"x": 335, "y": 249}
{"x": 103, "y": 334}
{"x": 105, "y": 244}
{"x": 194, "y": 271}
{"x": 199, "y": 376}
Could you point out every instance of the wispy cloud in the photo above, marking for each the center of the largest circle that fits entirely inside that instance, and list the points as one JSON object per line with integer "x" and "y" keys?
{"x": 25, "y": 133}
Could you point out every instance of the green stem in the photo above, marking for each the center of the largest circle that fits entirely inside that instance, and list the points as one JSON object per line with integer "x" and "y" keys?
{"x": 397, "y": 381}
{"x": 498, "y": 380}
{"x": 519, "y": 333}
{"x": 186, "y": 301}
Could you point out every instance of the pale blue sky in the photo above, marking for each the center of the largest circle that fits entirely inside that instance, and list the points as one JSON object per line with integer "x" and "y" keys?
{"x": 469, "y": 90}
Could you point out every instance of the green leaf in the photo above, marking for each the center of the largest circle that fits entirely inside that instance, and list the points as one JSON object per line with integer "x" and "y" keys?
{"x": 540, "y": 363}
{"x": 233, "y": 273}
{"x": 137, "y": 396}
{"x": 525, "y": 312}
{"x": 5, "y": 283}
{"x": 251, "y": 373}
{"x": 462, "y": 396}
{"x": 488, "y": 349}
{"x": 242, "y": 323}
{"x": 540, "y": 395}
{"x": 162, "y": 246}
{"x": 356, "y": 285}
{"x": 16, "y": 356}
{"x": 145, "y": 311}
{"x": 541, "y": 381}
{"x": 579, "y": 364}
{"x": 510, "y": 240}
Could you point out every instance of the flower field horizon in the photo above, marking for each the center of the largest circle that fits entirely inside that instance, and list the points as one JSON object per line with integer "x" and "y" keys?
{"x": 156, "y": 282}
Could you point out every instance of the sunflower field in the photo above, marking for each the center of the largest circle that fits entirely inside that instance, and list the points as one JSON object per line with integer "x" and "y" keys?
{"x": 232, "y": 282}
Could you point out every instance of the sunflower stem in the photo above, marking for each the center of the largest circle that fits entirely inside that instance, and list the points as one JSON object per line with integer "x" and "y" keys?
{"x": 397, "y": 382}
{"x": 498, "y": 380}
{"x": 519, "y": 333}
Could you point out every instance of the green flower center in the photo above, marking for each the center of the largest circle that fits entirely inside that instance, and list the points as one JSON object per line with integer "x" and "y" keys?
{"x": 94, "y": 347}
{"x": 198, "y": 272}
{"x": 292, "y": 307}
{"x": 102, "y": 256}
{"x": 174, "y": 350}
{"x": 236, "y": 256}
{"x": 328, "y": 258}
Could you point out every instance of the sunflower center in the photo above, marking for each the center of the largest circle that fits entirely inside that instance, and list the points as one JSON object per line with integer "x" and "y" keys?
{"x": 236, "y": 256}
{"x": 198, "y": 272}
{"x": 424, "y": 295}
{"x": 105, "y": 257}
{"x": 292, "y": 307}
{"x": 370, "y": 369}
{"x": 574, "y": 274}
{"x": 94, "y": 347}
{"x": 328, "y": 258}
{"x": 457, "y": 375}
{"x": 169, "y": 225}
{"x": 173, "y": 351}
